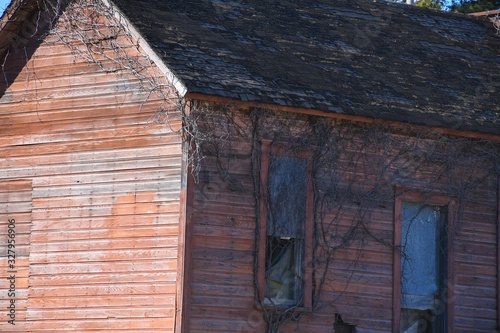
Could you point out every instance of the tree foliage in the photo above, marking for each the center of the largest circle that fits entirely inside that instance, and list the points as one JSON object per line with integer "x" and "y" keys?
{"x": 435, "y": 4}
{"x": 461, "y": 6}
{"x": 472, "y": 6}
{"x": 430, "y": 4}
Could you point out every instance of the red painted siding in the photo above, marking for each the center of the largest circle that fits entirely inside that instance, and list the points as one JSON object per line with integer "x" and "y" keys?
{"x": 359, "y": 282}
{"x": 104, "y": 195}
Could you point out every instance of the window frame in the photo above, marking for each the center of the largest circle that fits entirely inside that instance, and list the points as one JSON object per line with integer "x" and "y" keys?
{"x": 269, "y": 148}
{"x": 416, "y": 196}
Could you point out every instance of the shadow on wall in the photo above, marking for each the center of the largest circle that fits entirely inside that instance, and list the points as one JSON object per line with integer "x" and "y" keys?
{"x": 22, "y": 30}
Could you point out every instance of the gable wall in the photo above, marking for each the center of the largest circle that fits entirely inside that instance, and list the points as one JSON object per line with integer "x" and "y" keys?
{"x": 98, "y": 233}
{"x": 360, "y": 172}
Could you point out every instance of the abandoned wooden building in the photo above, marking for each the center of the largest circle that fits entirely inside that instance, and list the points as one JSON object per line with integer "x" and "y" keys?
{"x": 248, "y": 166}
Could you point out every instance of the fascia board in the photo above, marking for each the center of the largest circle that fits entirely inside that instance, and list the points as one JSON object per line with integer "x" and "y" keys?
{"x": 169, "y": 75}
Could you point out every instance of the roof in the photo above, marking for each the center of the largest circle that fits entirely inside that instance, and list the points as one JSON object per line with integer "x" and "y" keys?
{"x": 355, "y": 57}
{"x": 351, "y": 57}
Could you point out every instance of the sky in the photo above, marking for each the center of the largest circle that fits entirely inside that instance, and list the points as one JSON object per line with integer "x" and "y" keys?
{"x": 3, "y": 5}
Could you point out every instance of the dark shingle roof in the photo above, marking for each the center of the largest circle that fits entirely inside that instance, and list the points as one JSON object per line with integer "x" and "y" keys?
{"x": 361, "y": 58}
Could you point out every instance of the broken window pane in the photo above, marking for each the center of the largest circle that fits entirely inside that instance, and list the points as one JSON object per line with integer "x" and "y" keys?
{"x": 283, "y": 271}
{"x": 416, "y": 321}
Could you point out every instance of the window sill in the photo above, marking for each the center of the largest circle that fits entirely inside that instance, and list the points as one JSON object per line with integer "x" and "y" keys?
{"x": 283, "y": 307}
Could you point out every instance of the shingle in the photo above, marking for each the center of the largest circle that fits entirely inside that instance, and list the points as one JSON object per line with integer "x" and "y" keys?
{"x": 363, "y": 58}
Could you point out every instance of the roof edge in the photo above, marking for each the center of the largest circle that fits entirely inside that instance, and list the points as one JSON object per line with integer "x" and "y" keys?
{"x": 16, "y": 14}
{"x": 12, "y": 21}
{"x": 13, "y": 7}
{"x": 170, "y": 76}
{"x": 361, "y": 119}
{"x": 485, "y": 13}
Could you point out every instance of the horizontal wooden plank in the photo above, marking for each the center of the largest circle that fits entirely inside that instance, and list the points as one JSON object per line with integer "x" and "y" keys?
{"x": 72, "y": 146}
{"x": 212, "y": 289}
{"x": 224, "y": 243}
{"x": 102, "y": 290}
{"x": 476, "y": 291}
{"x": 117, "y": 209}
{"x": 89, "y": 157}
{"x": 79, "y": 135}
{"x": 98, "y": 301}
{"x": 111, "y": 277}
{"x": 136, "y": 174}
{"x": 110, "y": 324}
{"x": 69, "y": 240}
{"x": 125, "y": 244}
{"x": 139, "y": 119}
{"x": 86, "y": 312}
{"x": 82, "y": 168}
{"x": 143, "y": 265}
{"x": 220, "y": 277}
{"x": 109, "y": 255}
{"x": 225, "y": 232}
{"x": 106, "y": 222}
{"x": 116, "y": 188}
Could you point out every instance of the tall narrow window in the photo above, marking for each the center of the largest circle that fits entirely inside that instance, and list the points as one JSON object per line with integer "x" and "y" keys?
{"x": 285, "y": 229}
{"x": 422, "y": 267}
{"x": 286, "y": 215}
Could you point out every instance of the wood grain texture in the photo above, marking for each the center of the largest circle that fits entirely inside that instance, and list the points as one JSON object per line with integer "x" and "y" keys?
{"x": 100, "y": 217}
{"x": 360, "y": 283}
{"x": 15, "y": 215}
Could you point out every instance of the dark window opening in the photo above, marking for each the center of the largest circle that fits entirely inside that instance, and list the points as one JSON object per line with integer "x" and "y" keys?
{"x": 284, "y": 271}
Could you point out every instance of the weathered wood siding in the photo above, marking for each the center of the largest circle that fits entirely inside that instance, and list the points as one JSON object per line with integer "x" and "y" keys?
{"x": 359, "y": 280}
{"x": 15, "y": 226}
{"x": 98, "y": 223}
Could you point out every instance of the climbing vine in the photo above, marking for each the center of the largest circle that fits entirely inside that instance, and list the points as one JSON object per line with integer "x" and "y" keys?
{"x": 356, "y": 169}
{"x": 355, "y": 166}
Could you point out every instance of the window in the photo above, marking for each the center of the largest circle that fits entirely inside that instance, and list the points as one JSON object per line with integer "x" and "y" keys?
{"x": 285, "y": 251}
{"x": 422, "y": 265}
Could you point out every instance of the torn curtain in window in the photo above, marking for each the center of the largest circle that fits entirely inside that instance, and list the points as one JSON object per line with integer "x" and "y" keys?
{"x": 285, "y": 230}
{"x": 287, "y": 197}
